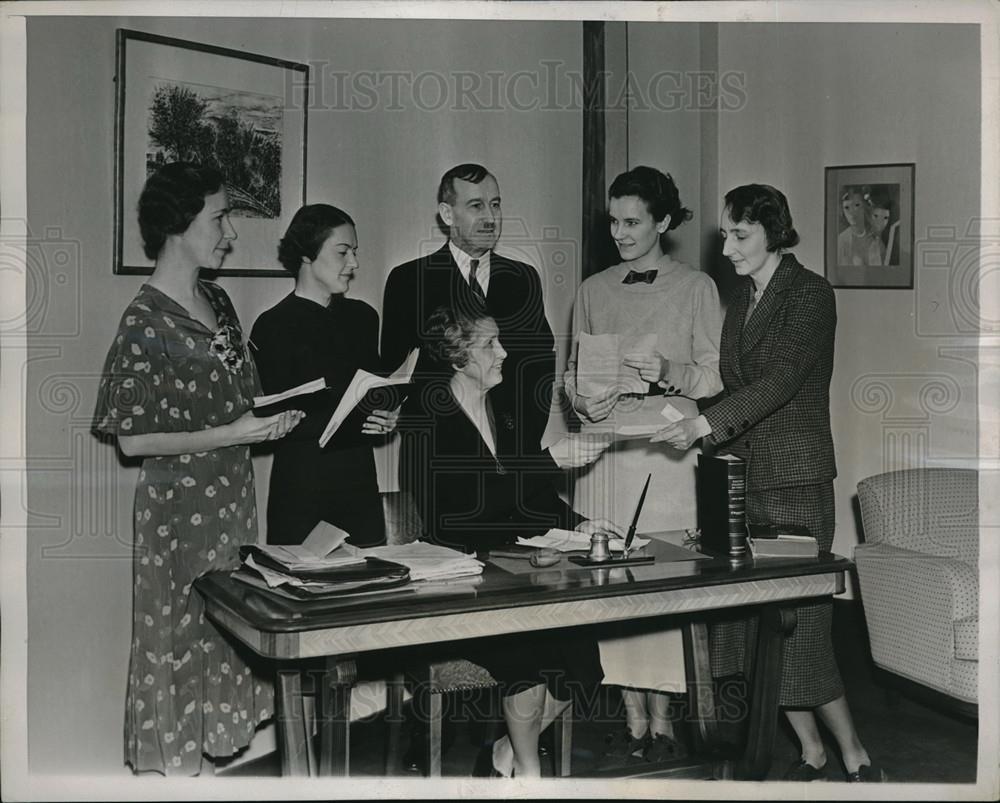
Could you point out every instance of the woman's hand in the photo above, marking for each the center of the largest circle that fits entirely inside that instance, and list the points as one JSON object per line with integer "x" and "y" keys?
{"x": 652, "y": 367}
{"x": 597, "y": 408}
{"x": 592, "y": 526}
{"x": 574, "y": 451}
{"x": 248, "y": 428}
{"x": 380, "y": 422}
{"x": 682, "y": 434}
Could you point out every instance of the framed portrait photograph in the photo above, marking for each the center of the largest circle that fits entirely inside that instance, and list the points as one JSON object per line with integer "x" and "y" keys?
{"x": 868, "y": 226}
{"x": 246, "y": 114}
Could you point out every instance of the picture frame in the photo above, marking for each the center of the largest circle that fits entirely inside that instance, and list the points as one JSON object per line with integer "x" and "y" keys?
{"x": 245, "y": 113}
{"x": 868, "y": 226}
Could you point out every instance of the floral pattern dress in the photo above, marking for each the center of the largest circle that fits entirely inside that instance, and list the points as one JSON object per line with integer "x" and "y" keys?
{"x": 191, "y": 690}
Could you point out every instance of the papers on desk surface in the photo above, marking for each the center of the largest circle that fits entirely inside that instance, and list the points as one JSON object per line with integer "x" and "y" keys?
{"x": 426, "y": 561}
{"x": 370, "y": 392}
{"x": 318, "y": 552}
{"x": 599, "y": 365}
{"x": 571, "y": 541}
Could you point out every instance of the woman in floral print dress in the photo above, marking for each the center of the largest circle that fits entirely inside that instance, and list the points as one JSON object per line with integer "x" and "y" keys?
{"x": 177, "y": 391}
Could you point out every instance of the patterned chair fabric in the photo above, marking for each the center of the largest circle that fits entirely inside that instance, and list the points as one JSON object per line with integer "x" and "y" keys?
{"x": 918, "y": 571}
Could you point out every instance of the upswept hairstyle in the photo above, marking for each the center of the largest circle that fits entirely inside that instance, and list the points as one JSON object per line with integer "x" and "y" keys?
{"x": 171, "y": 198}
{"x": 448, "y": 333}
{"x": 307, "y": 232}
{"x": 656, "y": 189}
{"x": 473, "y": 173}
{"x": 762, "y": 203}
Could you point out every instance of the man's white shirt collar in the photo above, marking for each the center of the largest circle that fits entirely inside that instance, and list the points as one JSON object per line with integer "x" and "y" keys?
{"x": 462, "y": 259}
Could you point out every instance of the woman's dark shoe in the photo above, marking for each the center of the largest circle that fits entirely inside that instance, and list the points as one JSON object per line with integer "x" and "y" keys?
{"x": 802, "y": 770}
{"x": 867, "y": 773}
{"x": 662, "y": 748}
{"x": 622, "y": 750}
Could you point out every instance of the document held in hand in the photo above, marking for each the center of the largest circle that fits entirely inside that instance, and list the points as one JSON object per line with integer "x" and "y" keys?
{"x": 599, "y": 365}
{"x": 367, "y": 393}
{"x": 305, "y": 397}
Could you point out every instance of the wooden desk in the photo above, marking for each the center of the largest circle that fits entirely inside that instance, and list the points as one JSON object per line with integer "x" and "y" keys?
{"x": 501, "y": 602}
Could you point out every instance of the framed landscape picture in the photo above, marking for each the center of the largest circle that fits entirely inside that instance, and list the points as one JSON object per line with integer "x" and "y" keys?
{"x": 868, "y": 226}
{"x": 244, "y": 113}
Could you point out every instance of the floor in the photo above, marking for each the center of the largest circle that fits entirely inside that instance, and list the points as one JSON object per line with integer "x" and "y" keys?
{"x": 913, "y": 741}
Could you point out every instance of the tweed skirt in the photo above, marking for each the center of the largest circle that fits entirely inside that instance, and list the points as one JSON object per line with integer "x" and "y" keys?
{"x": 809, "y": 675}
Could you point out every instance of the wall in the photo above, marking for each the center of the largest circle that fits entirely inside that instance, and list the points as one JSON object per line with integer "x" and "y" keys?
{"x": 870, "y": 94}
{"x": 382, "y": 165}
{"x": 904, "y": 384}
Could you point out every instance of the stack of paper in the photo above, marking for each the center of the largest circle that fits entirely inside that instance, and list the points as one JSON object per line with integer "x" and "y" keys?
{"x": 427, "y": 561}
{"x": 572, "y": 541}
{"x": 322, "y": 565}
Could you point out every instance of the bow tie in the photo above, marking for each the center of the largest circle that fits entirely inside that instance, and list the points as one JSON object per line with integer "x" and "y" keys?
{"x": 637, "y": 276}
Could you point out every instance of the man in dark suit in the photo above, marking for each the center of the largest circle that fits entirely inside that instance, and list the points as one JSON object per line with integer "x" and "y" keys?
{"x": 468, "y": 274}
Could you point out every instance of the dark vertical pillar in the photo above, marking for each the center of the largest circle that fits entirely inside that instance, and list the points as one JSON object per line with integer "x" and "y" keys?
{"x": 597, "y": 248}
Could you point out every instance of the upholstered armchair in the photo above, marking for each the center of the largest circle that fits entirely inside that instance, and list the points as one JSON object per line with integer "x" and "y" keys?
{"x": 918, "y": 570}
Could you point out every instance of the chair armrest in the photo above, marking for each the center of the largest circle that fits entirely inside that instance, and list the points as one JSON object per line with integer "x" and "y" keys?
{"x": 911, "y": 602}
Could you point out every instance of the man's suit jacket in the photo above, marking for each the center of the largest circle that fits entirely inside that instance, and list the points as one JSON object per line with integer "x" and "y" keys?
{"x": 468, "y": 499}
{"x": 776, "y": 370}
{"x": 514, "y": 299}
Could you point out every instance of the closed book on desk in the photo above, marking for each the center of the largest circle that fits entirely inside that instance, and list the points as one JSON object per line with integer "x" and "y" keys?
{"x": 722, "y": 484}
{"x": 783, "y": 545}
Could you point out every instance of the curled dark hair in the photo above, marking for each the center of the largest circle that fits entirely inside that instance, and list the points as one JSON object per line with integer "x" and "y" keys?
{"x": 656, "y": 189}
{"x": 448, "y": 333}
{"x": 762, "y": 203}
{"x": 473, "y": 173}
{"x": 307, "y": 232}
{"x": 171, "y": 198}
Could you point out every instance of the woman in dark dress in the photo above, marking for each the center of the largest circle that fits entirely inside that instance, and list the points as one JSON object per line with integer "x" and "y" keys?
{"x": 776, "y": 362}
{"x": 480, "y": 491}
{"x": 177, "y": 391}
{"x": 315, "y": 331}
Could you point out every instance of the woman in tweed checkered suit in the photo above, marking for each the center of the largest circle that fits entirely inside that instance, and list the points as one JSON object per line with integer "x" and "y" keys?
{"x": 776, "y": 360}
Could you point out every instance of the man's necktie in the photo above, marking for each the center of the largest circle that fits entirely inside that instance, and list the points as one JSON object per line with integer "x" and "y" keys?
{"x": 477, "y": 289}
{"x": 640, "y": 276}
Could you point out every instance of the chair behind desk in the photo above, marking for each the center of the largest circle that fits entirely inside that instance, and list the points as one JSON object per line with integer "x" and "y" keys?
{"x": 435, "y": 678}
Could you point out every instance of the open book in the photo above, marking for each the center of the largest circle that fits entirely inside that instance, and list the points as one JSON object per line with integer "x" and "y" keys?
{"x": 367, "y": 393}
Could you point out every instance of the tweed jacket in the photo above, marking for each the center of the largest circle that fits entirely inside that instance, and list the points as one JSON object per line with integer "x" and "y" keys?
{"x": 776, "y": 370}
{"x": 513, "y": 299}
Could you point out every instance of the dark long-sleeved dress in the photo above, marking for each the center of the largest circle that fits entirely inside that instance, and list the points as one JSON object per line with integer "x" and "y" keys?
{"x": 470, "y": 500}
{"x": 294, "y": 342}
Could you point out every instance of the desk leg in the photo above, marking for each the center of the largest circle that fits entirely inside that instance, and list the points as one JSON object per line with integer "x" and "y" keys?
{"x": 334, "y": 712}
{"x": 293, "y": 725}
{"x": 701, "y": 699}
{"x": 774, "y": 624}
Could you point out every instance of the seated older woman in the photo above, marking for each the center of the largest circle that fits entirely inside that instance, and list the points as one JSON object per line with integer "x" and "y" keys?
{"x": 478, "y": 492}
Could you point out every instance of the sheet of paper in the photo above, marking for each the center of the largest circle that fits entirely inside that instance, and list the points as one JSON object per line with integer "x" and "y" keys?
{"x": 572, "y": 540}
{"x": 304, "y": 388}
{"x": 671, "y": 413}
{"x": 599, "y": 365}
{"x": 631, "y": 432}
{"x": 324, "y": 538}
